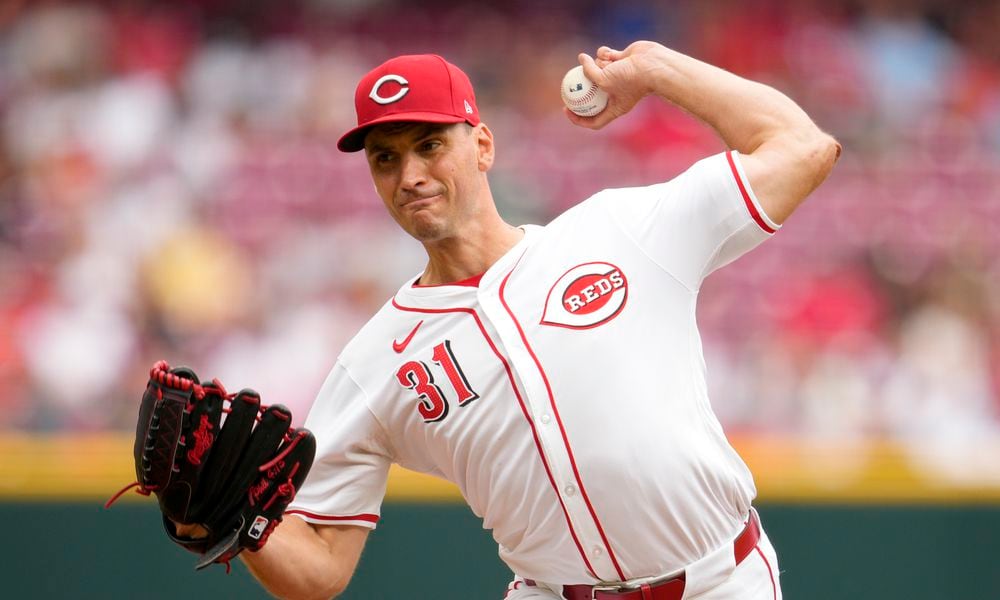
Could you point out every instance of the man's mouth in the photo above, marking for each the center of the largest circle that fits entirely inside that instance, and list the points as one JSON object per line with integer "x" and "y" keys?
{"x": 419, "y": 201}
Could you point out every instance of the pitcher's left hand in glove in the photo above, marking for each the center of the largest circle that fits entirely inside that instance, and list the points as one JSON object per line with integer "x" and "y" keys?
{"x": 234, "y": 479}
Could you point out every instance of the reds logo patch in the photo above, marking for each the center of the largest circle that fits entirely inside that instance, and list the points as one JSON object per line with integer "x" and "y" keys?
{"x": 586, "y": 296}
{"x": 376, "y": 94}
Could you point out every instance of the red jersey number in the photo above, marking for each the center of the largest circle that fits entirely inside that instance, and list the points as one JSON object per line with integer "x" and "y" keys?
{"x": 446, "y": 358}
{"x": 415, "y": 375}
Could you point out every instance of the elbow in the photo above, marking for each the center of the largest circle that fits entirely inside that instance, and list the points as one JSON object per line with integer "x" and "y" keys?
{"x": 815, "y": 154}
{"x": 807, "y": 150}
{"x": 335, "y": 586}
{"x": 823, "y": 153}
{"x": 315, "y": 594}
{"x": 316, "y": 590}
{"x": 332, "y": 589}
{"x": 335, "y": 589}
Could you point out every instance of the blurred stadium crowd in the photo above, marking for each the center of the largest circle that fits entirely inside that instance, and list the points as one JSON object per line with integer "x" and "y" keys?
{"x": 170, "y": 188}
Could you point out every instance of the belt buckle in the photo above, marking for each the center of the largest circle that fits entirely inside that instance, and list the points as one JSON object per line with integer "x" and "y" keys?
{"x": 633, "y": 584}
{"x": 607, "y": 587}
{"x": 622, "y": 586}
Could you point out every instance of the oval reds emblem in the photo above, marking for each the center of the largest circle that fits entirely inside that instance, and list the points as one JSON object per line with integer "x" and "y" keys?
{"x": 586, "y": 296}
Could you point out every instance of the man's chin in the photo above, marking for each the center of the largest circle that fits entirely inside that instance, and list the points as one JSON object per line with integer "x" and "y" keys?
{"x": 427, "y": 230}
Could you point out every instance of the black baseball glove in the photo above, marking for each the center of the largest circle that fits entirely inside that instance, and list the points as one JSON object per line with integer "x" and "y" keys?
{"x": 234, "y": 475}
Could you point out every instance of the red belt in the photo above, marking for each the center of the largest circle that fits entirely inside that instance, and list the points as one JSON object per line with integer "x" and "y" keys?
{"x": 668, "y": 589}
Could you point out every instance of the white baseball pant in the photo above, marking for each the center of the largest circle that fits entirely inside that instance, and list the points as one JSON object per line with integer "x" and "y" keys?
{"x": 756, "y": 578}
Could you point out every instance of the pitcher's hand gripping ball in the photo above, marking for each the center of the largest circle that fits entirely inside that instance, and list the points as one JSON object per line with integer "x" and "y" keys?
{"x": 233, "y": 476}
{"x": 581, "y": 95}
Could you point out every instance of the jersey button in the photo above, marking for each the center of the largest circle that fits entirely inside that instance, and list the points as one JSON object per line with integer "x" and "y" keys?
{"x": 545, "y": 419}
{"x": 597, "y": 551}
{"x": 570, "y": 490}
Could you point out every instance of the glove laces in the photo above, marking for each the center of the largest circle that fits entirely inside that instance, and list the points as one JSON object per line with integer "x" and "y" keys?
{"x": 162, "y": 375}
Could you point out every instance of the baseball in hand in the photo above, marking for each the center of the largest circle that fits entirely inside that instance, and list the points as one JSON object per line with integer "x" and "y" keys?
{"x": 581, "y": 95}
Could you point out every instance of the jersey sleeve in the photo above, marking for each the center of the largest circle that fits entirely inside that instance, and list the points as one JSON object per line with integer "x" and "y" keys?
{"x": 347, "y": 481}
{"x": 697, "y": 222}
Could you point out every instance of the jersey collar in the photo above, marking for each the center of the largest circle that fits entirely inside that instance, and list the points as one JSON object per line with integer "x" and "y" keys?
{"x": 448, "y": 295}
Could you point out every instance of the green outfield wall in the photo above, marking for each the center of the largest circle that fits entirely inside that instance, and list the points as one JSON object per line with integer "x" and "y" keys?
{"x": 439, "y": 552}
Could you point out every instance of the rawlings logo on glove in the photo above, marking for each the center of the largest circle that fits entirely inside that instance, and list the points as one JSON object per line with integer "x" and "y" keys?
{"x": 233, "y": 475}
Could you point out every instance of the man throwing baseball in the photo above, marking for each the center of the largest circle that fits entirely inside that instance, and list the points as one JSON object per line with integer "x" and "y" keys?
{"x": 555, "y": 374}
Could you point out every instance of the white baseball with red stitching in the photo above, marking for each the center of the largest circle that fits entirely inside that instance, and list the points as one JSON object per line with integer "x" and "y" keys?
{"x": 581, "y": 95}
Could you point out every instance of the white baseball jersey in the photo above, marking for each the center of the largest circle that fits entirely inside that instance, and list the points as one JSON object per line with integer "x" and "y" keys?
{"x": 565, "y": 394}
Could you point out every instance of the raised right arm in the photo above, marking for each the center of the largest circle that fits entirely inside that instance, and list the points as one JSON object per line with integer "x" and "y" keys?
{"x": 302, "y": 561}
{"x": 784, "y": 154}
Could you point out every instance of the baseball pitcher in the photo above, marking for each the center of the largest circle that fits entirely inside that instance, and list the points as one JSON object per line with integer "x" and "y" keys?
{"x": 554, "y": 373}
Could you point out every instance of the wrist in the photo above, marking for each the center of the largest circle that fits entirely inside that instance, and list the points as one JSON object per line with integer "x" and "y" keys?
{"x": 661, "y": 74}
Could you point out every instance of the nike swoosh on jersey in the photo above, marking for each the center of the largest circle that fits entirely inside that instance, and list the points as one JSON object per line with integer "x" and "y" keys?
{"x": 400, "y": 346}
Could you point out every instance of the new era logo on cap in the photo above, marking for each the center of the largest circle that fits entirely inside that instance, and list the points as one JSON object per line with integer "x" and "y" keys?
{"x": 423, "y": 87}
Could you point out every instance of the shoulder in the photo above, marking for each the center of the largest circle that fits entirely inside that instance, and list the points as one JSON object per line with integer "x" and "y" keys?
{"x": 607, "y": 205}
{"x": 722, "y": 169}
{"x": 717, "y": 167}
{"x": 372, "y": 335}
{"x": 359, "y": 362}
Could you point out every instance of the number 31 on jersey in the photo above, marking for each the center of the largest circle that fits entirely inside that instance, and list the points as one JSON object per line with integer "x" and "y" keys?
{"x": 415, "y": 375}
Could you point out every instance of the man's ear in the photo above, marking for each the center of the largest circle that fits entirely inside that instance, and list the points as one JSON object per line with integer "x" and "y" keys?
{"x": 485, "y": 148}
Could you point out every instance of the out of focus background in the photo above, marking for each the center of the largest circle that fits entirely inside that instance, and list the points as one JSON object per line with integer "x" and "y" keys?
{"x": 170, "y": 188}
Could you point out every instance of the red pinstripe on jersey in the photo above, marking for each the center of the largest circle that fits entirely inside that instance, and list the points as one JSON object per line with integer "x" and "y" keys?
{"x": 562, "y": 429}
{"x": 524, "y": 410}
{"x": 746, "y": 196}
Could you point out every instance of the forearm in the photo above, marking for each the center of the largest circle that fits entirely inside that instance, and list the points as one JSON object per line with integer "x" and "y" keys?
{"x": 746, "y": 114}
{"x": 298, "y": 563}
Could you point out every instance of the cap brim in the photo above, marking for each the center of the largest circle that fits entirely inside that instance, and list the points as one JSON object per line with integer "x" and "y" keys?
{"x": 354, "y": 140}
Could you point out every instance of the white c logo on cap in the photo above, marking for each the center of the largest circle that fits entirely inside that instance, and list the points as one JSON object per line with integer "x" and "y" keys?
{"x": 374, "y": 95}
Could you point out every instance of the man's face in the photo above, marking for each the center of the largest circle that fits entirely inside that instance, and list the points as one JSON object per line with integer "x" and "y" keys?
{"x": 428, "y": 174}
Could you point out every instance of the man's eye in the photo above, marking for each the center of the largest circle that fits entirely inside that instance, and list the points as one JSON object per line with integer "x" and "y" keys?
{"x": 430, "y": 145}
{"x": 383, "y": 158}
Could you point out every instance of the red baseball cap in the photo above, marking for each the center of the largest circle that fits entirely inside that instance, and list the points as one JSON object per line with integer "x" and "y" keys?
{"x": 419, "y": 87}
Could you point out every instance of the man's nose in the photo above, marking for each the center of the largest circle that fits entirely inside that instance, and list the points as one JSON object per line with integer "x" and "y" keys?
{"x": 413, "y": 172}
